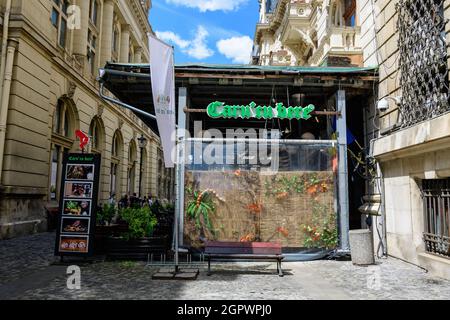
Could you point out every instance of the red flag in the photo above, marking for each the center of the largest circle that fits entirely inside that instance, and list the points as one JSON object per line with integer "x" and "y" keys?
{"x": 84, "y": 138}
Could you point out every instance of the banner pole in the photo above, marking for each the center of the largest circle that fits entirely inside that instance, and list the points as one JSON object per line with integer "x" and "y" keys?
{"x": 177, "y": 166}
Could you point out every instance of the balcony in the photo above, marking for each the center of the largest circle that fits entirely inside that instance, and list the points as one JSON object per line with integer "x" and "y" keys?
{"x": 340, "y": 45}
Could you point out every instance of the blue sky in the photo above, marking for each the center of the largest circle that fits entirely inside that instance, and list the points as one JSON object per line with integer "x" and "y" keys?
{"x": 210, "y": 31}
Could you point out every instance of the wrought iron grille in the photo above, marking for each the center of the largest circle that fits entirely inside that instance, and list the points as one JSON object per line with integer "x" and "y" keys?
{"x": 423, "y": 60}
{"x": 436, "y": 200}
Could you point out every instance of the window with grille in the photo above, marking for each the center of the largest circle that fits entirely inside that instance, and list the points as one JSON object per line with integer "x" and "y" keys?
{"x": 422, "y": 60}
{"x": 436, "y": 201}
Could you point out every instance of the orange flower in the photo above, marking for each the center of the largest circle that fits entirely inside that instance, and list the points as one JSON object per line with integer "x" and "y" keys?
{"x": 312, "y": 190}
{"x": 282, "y": 195}
{"x": 247, "y": 238}
{"x": 237, "y": 173}
{"x": 255, "y": 208}
{"x": 283, "y": 231}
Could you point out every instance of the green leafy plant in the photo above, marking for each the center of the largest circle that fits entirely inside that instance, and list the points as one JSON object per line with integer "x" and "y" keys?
{"x": 200, "y": 208}
{"x": 323, "y": 235}
{"x": 108, "y": 212}
{"x": 141, "y": 222}
{"x": 283, "y": 186}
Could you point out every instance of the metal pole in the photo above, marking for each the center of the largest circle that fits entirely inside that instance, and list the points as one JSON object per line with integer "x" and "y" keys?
{"x": 122, "y": 104}
{"x": 140, "y": 173}
{"x": 179, "y": 204}
{"x": 344, "y": 214}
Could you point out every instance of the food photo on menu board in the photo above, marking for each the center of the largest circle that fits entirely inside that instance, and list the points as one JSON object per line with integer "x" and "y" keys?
{"x": 77, "y": 207}
{"x": 80, "y": 172}
{"x": 74, "y": 225}
{"x": 74, "y": 244}
{"x": 78, "y": 190}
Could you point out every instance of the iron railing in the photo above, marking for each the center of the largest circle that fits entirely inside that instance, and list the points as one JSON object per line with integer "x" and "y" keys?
{"x": 436, "y": 201}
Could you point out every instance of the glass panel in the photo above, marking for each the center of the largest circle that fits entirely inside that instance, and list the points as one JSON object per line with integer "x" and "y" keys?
{"x": 94, "y": 13}
{"x": 65, "y": 6}
{"x": 66, "y": 131}
{"x": 55, "y": 17}
{"x": 63, "y": 33}
{"x": 261, "y": 191}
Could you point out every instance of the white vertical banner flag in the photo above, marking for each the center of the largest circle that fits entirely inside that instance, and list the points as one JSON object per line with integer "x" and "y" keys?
{"x": 163, "y": 87}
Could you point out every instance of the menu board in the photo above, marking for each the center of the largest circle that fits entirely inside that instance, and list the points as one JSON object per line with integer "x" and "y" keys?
{"x": 78, "y": 203}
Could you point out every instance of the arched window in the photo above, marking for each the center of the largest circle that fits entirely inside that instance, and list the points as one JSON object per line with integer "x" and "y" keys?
{"x": 97, "y": 135}
{"x": 116, "y": 157}
{"x": 132, "y": 160}
{"x": 63, "y": 132}
{"x": 61, "y": 120}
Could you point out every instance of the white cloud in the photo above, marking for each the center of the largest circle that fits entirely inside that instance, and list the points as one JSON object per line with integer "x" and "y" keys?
{"x": 169, "y": 36}
{"x": 196, "y": 48}
{"x": 210, "y": 5}
{"x": 238, "y": 49}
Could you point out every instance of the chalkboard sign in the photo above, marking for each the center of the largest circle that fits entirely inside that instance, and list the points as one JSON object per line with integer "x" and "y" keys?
{"x": 78, "y": 205}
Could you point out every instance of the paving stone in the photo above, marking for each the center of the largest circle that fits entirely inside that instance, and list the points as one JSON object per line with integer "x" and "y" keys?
{"x": 327, "y": 279}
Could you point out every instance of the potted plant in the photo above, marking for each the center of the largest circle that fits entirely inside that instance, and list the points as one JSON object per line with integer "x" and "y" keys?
{"x": 136, "y": 239}
{"x": 108, "y": 213}
{"x": 141, "y": 222}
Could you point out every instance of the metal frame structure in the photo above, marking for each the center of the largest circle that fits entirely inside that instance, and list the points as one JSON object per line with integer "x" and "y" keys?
{"x": 131, "y": 84}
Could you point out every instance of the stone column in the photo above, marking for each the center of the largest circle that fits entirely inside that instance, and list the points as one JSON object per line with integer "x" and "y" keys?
{"x": 124, "y": 43}
{"x": 80, "y": 35}
{"x": 137, "y": 54}
{"x": 107, "y": 30}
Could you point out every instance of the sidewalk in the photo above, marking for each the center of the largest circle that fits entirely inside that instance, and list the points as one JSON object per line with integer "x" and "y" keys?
{"x": 34, "y": 278}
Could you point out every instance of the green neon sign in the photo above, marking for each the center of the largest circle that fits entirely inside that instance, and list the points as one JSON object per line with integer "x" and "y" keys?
{"x": 218, "y": 110}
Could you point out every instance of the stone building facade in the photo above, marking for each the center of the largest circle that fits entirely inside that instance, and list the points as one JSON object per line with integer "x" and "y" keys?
{"x": 49, "y": 89}
{"x": 413, "y": 147}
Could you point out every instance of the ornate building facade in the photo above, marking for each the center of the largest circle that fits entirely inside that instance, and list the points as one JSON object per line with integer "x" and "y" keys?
{"x": 309, "y": 33}
{"x": 50, "y": 59}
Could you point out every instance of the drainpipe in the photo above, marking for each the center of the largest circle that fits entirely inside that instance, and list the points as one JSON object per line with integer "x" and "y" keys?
{"x": 5, "y": 35}
{"x": 11, "y": 50}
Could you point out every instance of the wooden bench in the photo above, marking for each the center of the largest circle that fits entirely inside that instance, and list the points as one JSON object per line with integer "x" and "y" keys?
{"x": 263, "y": 251}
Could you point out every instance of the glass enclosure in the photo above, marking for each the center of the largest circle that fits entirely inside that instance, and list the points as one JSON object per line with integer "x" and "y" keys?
{"x": 261, "y": 190}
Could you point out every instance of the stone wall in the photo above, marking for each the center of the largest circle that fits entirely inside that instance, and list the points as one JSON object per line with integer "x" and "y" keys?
{"x": 407, "y": 156}
{"x": 44, "y": 73}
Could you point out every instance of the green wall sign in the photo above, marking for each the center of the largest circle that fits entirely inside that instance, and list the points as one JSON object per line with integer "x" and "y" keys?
{"x": 218, "y": 110}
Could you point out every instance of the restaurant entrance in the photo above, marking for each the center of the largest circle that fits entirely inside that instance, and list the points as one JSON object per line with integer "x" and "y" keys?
{"x": 265, "y": 151}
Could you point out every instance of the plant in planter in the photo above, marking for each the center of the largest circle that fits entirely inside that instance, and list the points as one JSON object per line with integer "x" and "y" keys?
{"x": 141, "y": 222}
{"x": 108, "y": 213}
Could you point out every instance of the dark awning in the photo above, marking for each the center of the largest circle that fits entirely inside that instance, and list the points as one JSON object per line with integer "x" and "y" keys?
{"x": 131, "y": 83}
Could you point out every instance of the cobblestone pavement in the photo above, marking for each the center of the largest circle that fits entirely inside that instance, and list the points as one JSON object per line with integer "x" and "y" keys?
{"x": 389, "y": 279}
{"x": 23, "y": 255}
